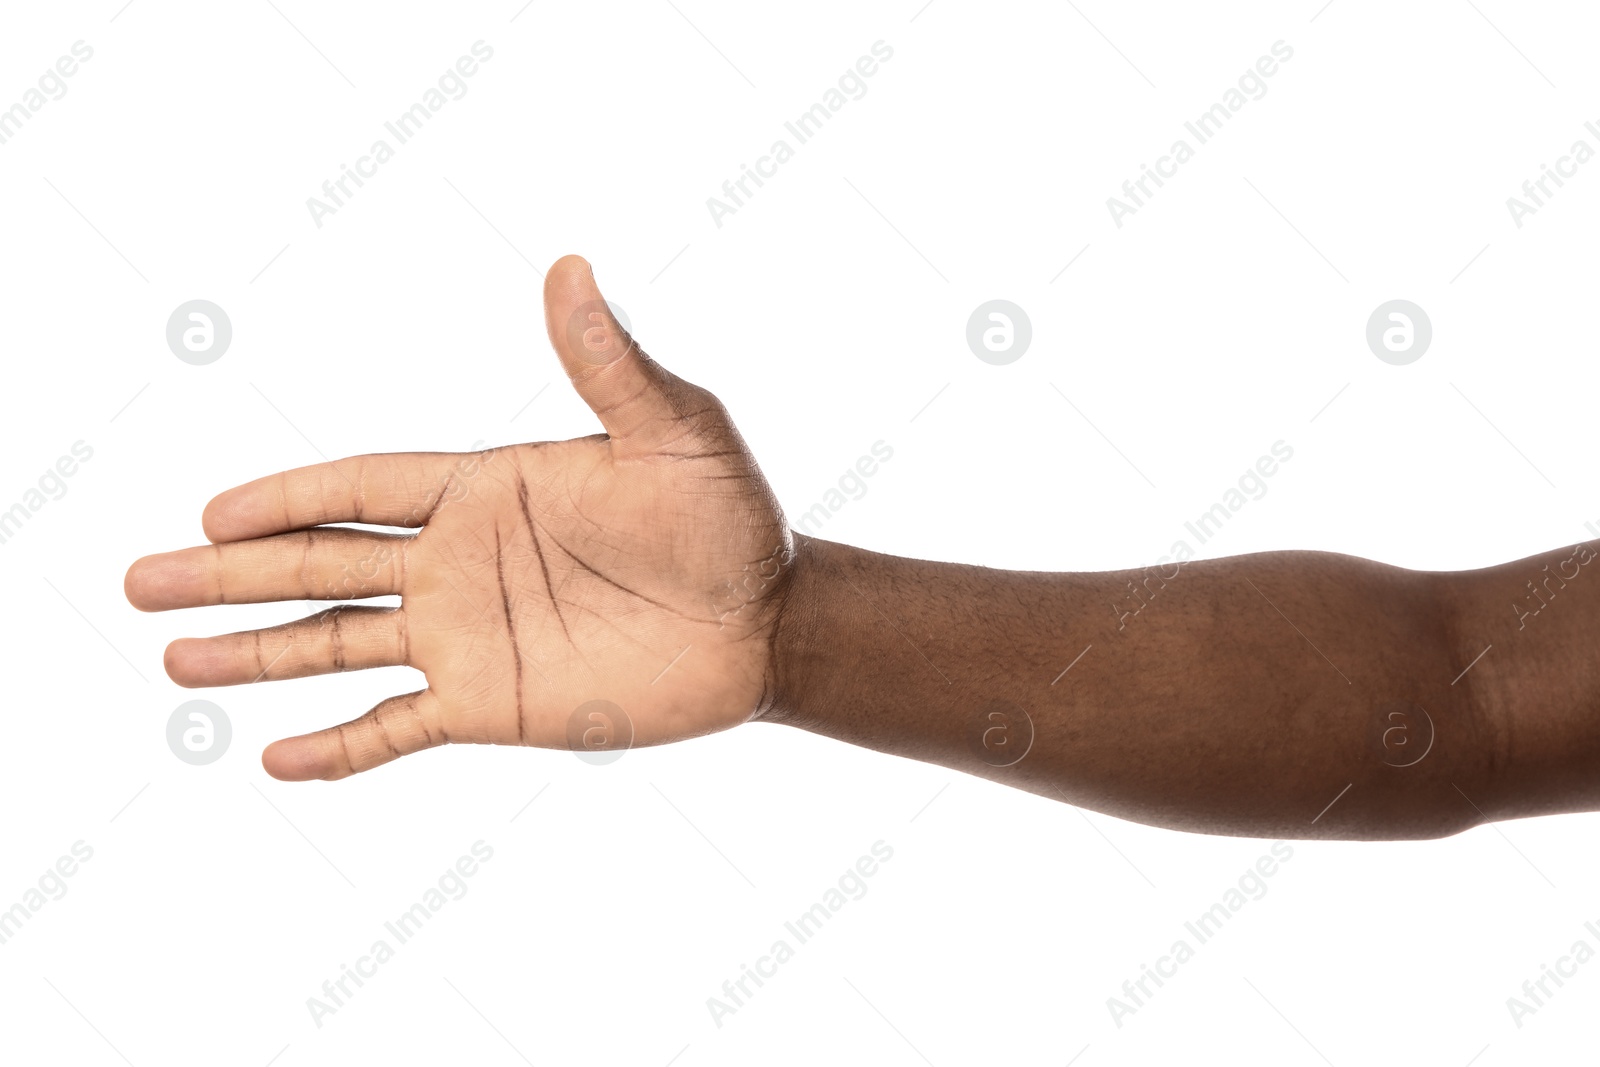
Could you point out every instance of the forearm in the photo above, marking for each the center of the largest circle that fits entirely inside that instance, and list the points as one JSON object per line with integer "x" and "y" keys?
{"x": 1532, "y": 623}
{"x": 1294, "y": 694}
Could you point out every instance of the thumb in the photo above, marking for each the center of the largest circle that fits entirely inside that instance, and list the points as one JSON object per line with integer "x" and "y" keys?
{"x": 639, "y": 402}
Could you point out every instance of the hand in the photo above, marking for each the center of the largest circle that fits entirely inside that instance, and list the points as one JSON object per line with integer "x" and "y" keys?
{"x": 646, "y": 566}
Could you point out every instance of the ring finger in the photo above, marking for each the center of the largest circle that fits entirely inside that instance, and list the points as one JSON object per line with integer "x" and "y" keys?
{"x": 341, "y": 639}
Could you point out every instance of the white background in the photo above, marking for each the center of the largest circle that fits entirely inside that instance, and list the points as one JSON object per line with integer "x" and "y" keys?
{"x": 827, "y": 313}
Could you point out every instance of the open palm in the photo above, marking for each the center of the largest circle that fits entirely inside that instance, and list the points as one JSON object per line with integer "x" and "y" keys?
{"x": 612, "y": 590}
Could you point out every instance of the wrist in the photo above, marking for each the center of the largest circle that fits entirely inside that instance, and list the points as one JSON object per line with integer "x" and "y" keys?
{"x": 794, "y": 649}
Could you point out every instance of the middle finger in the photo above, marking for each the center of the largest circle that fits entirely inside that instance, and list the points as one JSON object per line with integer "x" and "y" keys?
{"x": 328, "y": 563}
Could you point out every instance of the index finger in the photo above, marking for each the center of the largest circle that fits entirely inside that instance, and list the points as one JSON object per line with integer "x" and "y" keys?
{"x": 394, "y": 489}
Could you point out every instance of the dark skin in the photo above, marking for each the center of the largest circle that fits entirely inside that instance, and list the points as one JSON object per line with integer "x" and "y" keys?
{"x": 1285, "y": 694}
